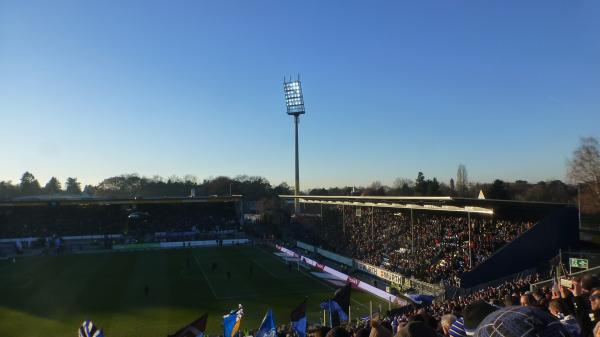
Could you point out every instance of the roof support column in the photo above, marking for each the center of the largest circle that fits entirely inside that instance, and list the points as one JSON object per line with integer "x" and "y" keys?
{"x": 469, "y": 230}
{"x": 412, "y": 233}
{"x": 372, "y": 221}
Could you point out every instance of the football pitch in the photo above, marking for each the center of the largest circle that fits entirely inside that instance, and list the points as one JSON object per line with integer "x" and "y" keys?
{"x": 51, "y": 295}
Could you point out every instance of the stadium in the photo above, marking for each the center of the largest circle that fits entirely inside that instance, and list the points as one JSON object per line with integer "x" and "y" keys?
{"x": 159, "y": 262}
{"x": 150, "y": 178}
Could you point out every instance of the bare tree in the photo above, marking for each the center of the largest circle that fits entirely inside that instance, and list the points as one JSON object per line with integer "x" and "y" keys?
{"x": 190, "y": 178}
{"x": 399, "y": 182}
{"x": 403, "y": 186}
{"x": 376, "y": 188}
{"x": 462, "y": 181}
{"x": 584, "y": 167}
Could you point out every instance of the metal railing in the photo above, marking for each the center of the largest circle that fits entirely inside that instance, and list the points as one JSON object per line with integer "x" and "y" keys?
{"x": 549, "y": 282}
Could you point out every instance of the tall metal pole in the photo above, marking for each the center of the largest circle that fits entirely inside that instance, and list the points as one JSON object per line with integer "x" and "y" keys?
{"x": 294, "y": 101}
{"x": 242, "y": 211}
{"x": 349, "y": 314}
{"x": 579, "y": 204}
{"x": 557, "y": 269}
{"x": 344, "y": 219}
{"x": 297, "y": 187}
{"x": 321, "y": 215}
{"x": 412, "y": 233}
{"x": 469, "y": 229}
{"x": 372, "y": 221}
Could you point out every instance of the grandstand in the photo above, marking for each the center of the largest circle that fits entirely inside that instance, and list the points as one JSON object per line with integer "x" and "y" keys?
{"x": 90, "y": 224}
{"x": 429, "y": 238}
{"x": 85, "y": 216}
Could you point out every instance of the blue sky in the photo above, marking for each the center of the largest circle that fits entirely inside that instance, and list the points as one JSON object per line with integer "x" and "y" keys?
{"x": 94, "y": 89}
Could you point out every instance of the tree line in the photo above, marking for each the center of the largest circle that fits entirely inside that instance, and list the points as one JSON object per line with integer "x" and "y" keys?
{"x": 583, "y": 172}
{"x": 30, "y": 186}
{"x": 550, "y": 191}
{"x": 256, "y": 188}
{"x": 135, "y": 186}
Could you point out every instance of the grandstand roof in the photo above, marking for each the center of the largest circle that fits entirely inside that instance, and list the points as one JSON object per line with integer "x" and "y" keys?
{"x": 445, "y": 204}
{"x": 70, "y": 201}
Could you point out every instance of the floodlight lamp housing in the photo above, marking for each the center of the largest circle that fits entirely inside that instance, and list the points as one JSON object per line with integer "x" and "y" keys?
{"x": 294, "y": 100}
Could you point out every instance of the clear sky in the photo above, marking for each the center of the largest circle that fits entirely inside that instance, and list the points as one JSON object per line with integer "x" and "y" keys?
{"x": 94, "y": 89}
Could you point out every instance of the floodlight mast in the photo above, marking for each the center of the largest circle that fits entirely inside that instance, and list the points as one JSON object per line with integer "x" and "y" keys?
{"x": 294, "y": 102}
{"x": 297, "y": 180}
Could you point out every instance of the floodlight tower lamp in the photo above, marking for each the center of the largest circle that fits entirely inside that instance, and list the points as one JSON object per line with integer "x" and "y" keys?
{"x": 294, "y": 102}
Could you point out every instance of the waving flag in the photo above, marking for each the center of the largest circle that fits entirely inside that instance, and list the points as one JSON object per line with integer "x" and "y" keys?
{"x": 88, "y": 329}
{"x": 196, "y": 328}
{"x": 338, "y": 305}
{"x": 231, "y": 322}
{"x": 298, "y": 319}
{"x": 267, "y": 327}
{"x": 420, "y": 298}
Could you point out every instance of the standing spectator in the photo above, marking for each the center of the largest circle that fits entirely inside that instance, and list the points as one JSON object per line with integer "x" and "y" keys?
{"x": 446, "y": 323}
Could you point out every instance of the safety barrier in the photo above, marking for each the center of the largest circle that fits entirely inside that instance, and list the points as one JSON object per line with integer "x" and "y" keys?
{"x": 549, "y": 282}
{"x": 343, "y": 277}
{"x": 66, "y": 238}
{"x": 396, "y": 278}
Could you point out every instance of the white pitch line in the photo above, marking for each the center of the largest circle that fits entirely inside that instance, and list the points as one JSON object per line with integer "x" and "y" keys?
{"x": 212, "y": 290}
{"x": 312, "y": 277}
{"x": 265, "y": 269}
{"x": 301, "y": 271}
{"x": 26, "y": 284}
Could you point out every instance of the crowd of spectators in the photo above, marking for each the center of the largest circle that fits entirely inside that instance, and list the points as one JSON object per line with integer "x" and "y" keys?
{"x": 434, "y": 248}
{"x": 49, "y": 220}
{"x": 507, "y": 310}
{"x": 505, "y": 293}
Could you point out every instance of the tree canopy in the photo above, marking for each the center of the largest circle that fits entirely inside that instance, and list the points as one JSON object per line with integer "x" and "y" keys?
{"x": 255, "y": 188}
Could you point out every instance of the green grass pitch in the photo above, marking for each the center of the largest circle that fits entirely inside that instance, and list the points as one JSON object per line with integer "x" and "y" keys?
{"x": 51, "y": 296}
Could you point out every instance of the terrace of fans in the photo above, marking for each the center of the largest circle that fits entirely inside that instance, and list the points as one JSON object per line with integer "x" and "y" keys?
{"x": 429, "y": 238}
